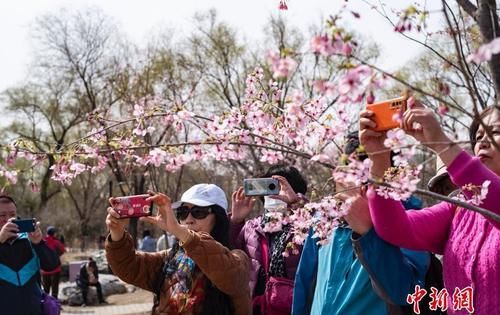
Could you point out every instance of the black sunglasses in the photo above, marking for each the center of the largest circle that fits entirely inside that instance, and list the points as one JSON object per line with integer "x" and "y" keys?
{"x": 197, "y": 212}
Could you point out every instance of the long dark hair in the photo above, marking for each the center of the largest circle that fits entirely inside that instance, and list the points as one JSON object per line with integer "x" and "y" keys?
{"x": 216, "y": 302}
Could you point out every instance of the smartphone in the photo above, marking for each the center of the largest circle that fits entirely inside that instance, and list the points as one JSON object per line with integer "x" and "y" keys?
{"x": 261, "y": 186}
{"x": 385, "y": 112}
{"x": 133, "y": 206}
{"x": 25, "y": 225}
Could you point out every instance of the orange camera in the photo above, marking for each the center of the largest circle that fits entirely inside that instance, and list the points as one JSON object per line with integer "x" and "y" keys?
{"x": 386, "y": 111}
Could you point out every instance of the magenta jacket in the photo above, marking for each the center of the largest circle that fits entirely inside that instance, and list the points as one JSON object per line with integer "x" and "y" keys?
{"x": 469, "y": 243}
{"x": 246, "y": 236}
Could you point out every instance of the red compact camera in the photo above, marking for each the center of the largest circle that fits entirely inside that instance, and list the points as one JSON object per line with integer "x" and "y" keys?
{"x": 133, "y": 206}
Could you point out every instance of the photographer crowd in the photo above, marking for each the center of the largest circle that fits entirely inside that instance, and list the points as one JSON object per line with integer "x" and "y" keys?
{"x": 223, "y": 260}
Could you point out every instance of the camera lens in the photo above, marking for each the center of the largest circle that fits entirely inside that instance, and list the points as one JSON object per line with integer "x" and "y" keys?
{"x": 272, "y": 186}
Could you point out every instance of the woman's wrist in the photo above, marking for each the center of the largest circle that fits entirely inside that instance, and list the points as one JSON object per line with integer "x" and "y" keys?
{"x": 299, "y": 202}
{"x": 117, "y": 236}
{"x": 448, "y": 154}
{"x": 378, "y": 169}
{"x": 181, "y": 233}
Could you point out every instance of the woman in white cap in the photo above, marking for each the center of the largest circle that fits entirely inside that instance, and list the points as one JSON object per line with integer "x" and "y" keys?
{"x": 200, "y": 274}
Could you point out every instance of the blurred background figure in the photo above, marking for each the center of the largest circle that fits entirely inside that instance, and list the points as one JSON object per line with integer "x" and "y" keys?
{"x": 148, "y": 243}
{"x": 165, "y": 241}
{"x": 441, "y": 182}
{"x": 50, "y": 278}
{"x": 89, "y": 276}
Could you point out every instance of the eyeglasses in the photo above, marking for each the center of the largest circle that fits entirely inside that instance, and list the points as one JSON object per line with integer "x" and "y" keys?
{"x": 198, "y": 213}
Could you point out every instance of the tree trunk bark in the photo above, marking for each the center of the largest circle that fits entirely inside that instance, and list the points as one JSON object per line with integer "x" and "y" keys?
{"x": 487, "y": 19}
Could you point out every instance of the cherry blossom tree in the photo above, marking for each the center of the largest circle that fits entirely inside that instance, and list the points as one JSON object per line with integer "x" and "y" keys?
{"x": 296, "y": 103}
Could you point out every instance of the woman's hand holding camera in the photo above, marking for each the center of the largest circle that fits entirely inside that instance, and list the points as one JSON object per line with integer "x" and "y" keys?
{"x": 241, "y": 206}
{"x": 286, "y": 194}
{"x": 165, "y": 217}
{"x": 115, "y": 224}
{"x": 418, "y": 122}
{"x": 422, "y": 124}
{"x": 373, "y": 143}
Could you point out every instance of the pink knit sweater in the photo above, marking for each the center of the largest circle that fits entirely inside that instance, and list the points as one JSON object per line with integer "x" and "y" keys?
{"x": 470, "y": 243}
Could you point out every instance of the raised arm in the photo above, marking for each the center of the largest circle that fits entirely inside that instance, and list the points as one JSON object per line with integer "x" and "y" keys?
{"x": 138, "y": 268}
{"x": 466, "y": 169}
{"x": 425, "y": 229}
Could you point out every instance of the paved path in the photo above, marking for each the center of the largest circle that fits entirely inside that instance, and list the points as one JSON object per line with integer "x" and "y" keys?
{"x": 129, "y": 309}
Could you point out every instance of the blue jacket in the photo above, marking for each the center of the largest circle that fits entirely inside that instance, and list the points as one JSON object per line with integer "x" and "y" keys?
{"x": 20, "y": 262}
{"x": 351, "y": 273}
{"x": 148, "y": 244}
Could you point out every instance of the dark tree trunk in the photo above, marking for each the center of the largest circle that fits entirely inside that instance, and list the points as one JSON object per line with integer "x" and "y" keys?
{"x": 487, "y": 19}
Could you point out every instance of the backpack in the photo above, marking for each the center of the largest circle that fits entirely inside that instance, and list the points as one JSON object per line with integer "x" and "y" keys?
{"x": 50, "y": 305}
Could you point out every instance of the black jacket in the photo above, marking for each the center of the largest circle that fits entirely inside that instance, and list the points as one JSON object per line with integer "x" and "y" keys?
{"x": 84, "y": 276}
{"x": 25, "y": 299}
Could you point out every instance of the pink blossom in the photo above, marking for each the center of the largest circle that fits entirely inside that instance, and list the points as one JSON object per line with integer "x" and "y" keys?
{"x": 197, "y": 153}
{"x": 321, "y": 45}
{"x": 10, "y": 176}
{"x": 283, "y": 5}
{"x": 96, "y": 134}
{"x": 396, "y": 138}
{"x": 102, "y": 163}
{"x": 11, "y": 158}
{"x": 77, "y": 168}
{"x": 156, "y": 157}
{"x": 138, "y": 110}
{"x": 321, "y": 157}
{"x": 478, "y": 193}
{"x": 485, "y": 52}
{"x": 346, "y": 49}
{"x": 324, "y": 87}
{"x": 34, "y": 187}
{"x": 284, "y": 67}
{"x": 443, "y": 109}
{"x": 403, "y": 181}
{"x": 275, "y": 223}
{"x": 271, "y": 157}
{"x": 185, "y": 115}
{"x": 174, "y": 163}
{"x": 356, "y": 172}
{"x": 351, "y": 84}
{"x": 61, "y": 173}
{"x": 444, "y": 88}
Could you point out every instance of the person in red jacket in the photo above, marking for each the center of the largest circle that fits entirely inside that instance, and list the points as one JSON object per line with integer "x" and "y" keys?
{"x": 50, "y": 278}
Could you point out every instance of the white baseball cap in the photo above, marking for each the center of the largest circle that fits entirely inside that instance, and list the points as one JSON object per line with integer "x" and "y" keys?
{"x": 203, "y": 195}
